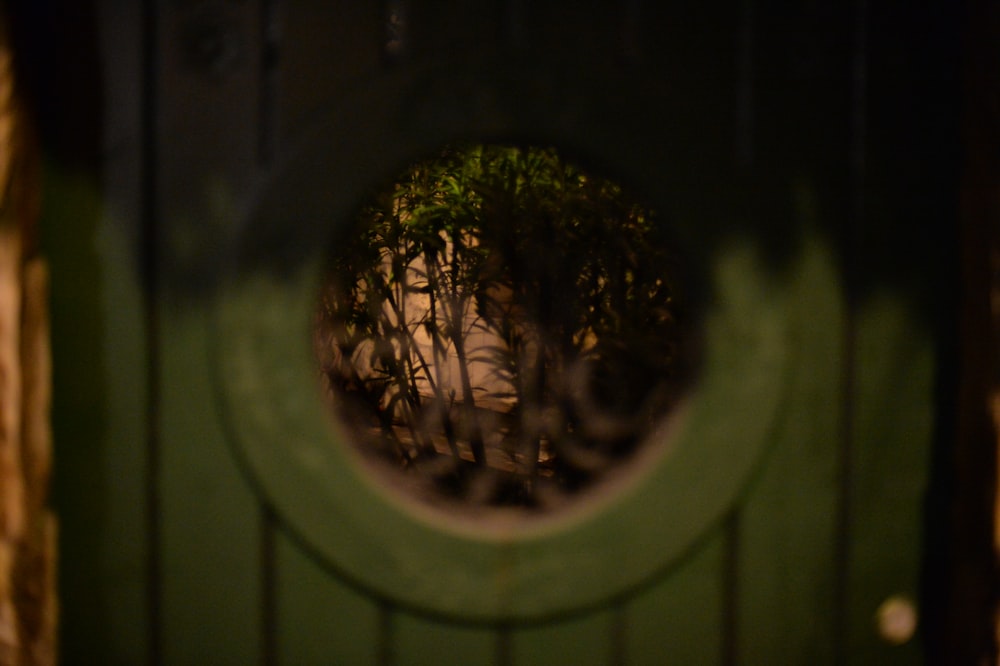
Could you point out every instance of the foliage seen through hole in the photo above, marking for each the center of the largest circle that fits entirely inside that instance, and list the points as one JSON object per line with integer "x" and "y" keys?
{"x": 501, "y": 326}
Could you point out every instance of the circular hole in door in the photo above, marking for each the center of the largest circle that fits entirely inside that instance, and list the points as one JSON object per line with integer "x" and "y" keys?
{"x": 502, "y": 328}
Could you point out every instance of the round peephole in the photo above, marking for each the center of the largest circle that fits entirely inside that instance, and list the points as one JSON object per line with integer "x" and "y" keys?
{"x": 500, "y": 328}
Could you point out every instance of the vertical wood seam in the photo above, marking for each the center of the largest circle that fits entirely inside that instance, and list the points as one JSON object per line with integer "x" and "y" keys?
{"x": 267, "y": 143}
{"x": 503, "y": 655}
{"x": 856, "y": 217}
{"x": 619, "y": 633}
{"x": 731, "y": 588}
{"x": 385, "y": 649}
{"x": 268, "y": 586}
{"x": 150, "y": 282}
{"x": 269, "y": 63}
{"x": 743, "y": 155}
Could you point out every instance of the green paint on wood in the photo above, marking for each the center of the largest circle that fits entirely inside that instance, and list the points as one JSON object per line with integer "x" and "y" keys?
{"x": 125, "y": 548}
{"x": 319, "y": 619}
{"x": 98, "y": 420}
{"x": 680, "y": 619}
{"x": 209, "y": 518}
{"x": 786, "y": 568}
{"x": 500, "y": 565}
{"x": 416, "y": 641}
{"x": 587, "y": 641}
{"x": 894, "y": 409}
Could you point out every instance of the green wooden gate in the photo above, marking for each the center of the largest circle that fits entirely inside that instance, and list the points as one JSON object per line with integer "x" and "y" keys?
{"x": 211, "y": 515}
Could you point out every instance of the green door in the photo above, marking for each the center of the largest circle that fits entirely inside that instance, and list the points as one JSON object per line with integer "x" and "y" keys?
{"x": 776, "y": 517}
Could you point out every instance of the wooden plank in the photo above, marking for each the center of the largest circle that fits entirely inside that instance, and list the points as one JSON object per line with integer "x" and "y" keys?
{"x": 98, "y": 420}
{"x": 209, "y": 518}
{"x": 797, "y": 94}
{"x": 208, "y": 152}
{"x": 680, "y": 619}
{"x": 125, "y": 540}
{"x": 587, "y": 640}
{"x": 324, "y": 48}
{"x": 320, "y": 620}
{"x": 207, "y": 601}
{"x": 123, "y": 452}
{"x": 893, "y": 425}
{"x": 419, "y": 641}
{"x": 786, "y": 569}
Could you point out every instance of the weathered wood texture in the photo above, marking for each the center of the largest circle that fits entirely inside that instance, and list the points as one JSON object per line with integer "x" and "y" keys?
{"x": 28, "y": 607}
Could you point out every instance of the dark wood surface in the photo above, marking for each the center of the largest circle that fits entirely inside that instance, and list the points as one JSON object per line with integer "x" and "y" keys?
{"x": 837, "y": 120}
